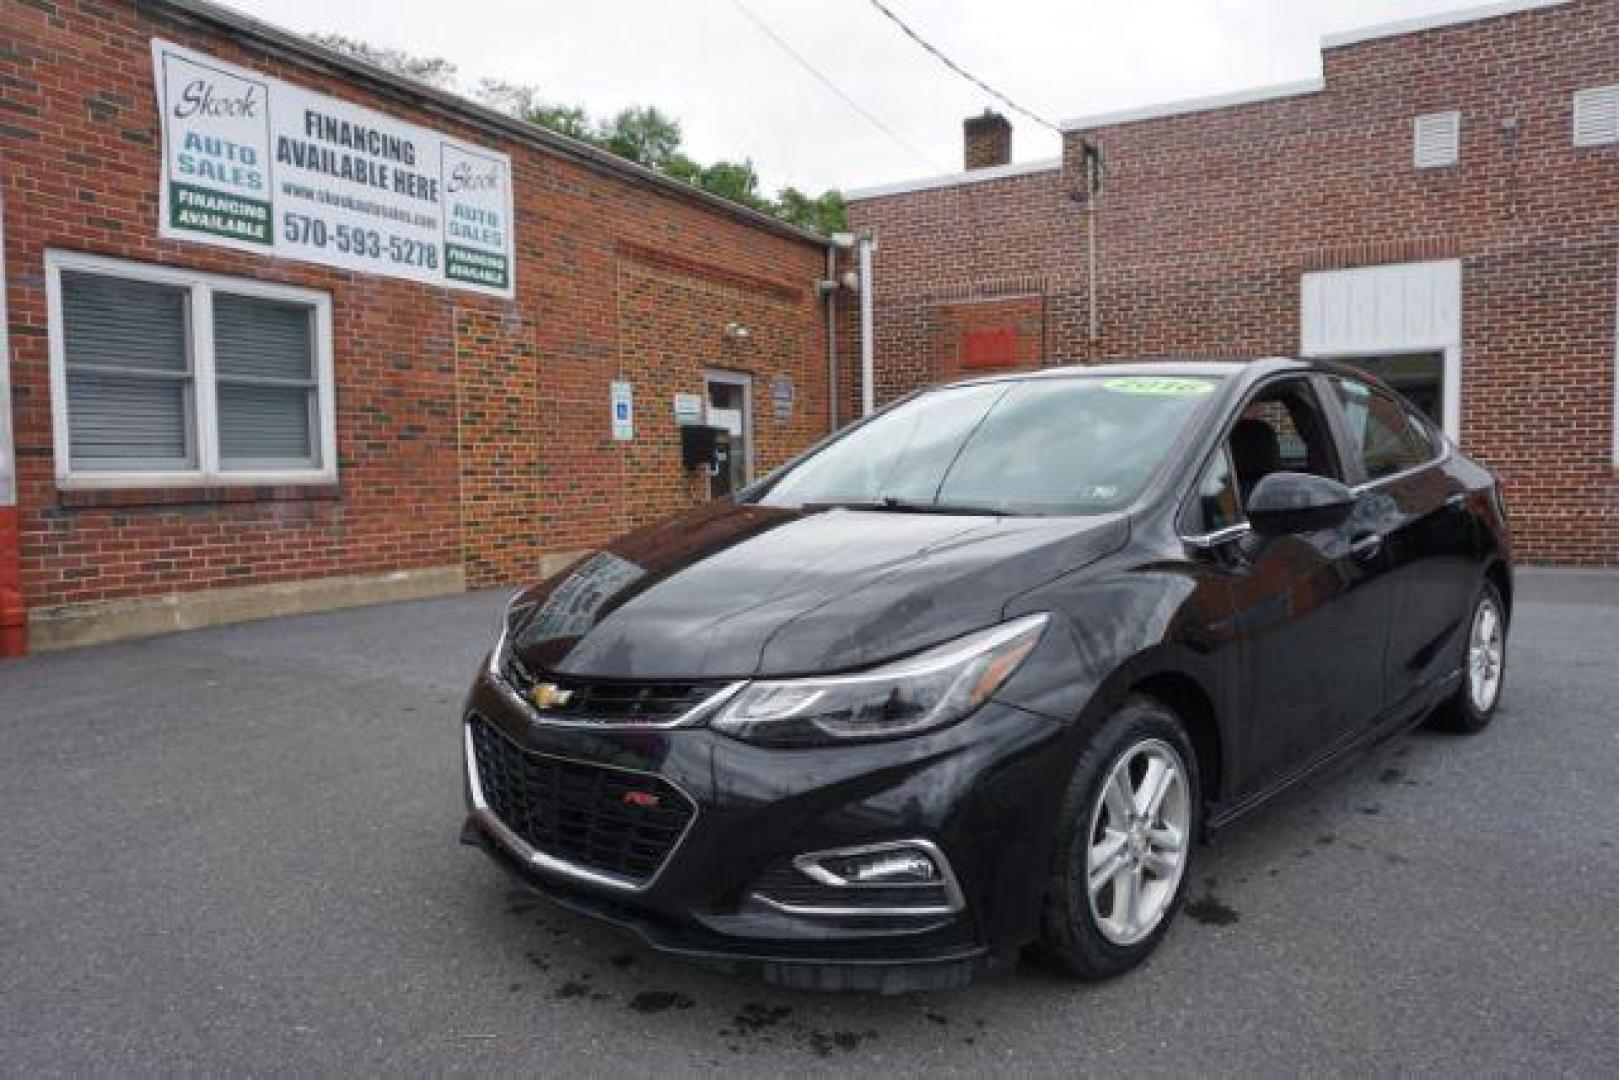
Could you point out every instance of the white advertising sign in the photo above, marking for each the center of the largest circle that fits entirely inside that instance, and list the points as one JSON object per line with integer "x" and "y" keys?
{"x": 254, "y": 163}
{"x": 688, "y": 409}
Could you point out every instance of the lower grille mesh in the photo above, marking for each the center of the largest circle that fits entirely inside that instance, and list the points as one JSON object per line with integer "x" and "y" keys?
{"x": 620, "y": 823}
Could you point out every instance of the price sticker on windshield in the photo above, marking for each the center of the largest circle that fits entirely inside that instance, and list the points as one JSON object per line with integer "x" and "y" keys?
{"x": 1152, "y": 384}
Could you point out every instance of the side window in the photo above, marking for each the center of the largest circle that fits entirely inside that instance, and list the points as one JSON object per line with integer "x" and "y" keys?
{"x": 1386, "y": 435}
{"x": 1282, "y": 430}
{"x": 1216, "y": 506}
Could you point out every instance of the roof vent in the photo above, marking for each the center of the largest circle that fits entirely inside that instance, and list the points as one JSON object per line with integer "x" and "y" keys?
{"x": 1596, "y": 116}
{"x": 1438, "y": 138}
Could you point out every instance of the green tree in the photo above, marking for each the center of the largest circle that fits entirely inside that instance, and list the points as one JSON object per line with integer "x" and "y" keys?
{"x": 524, "y": 103}
{"x": 644, "y": 134}
{"x": 825, "y": 213}
{"x": 734, "y": 180}
{"x": 435, "y": 71}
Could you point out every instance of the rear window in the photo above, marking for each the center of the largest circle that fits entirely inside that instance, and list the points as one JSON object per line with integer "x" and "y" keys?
{"x": 1080, "y": 445}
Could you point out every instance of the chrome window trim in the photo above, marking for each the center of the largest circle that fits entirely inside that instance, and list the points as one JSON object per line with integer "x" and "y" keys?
{"x": 808, "y": 864}
{"x": 1218, "y": 536}
{"x": 542, "y": 861}
{"x": 1442, "y": 457}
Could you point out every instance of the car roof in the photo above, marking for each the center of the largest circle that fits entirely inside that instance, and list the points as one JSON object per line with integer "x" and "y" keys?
{"x": 1215, "y": 368}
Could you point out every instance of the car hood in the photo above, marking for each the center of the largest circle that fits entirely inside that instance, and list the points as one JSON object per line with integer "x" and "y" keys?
{"x": 733, "y": 591}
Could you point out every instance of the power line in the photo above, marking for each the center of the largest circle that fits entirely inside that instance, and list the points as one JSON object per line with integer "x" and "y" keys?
{"x": 832, "y": 86}
{"x": 959, "y": 70}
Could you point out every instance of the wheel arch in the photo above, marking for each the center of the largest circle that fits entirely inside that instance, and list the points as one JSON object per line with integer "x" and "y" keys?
{"x": 1497, "y": 574}
{"x": 1185, "y": 697}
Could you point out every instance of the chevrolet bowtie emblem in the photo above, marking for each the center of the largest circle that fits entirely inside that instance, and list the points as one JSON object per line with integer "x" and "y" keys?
{"x": 550, "y": 696}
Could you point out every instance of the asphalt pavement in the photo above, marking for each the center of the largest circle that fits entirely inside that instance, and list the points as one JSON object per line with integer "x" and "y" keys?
{"x": 235, "y": 850}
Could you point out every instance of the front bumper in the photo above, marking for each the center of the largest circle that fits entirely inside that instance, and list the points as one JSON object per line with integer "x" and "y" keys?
{"x": 981, "y": 793}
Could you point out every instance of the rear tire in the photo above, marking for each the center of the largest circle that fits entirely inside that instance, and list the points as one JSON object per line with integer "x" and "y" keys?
{"x": 1470, "y": 709}
{"x": 1125, "y": 834}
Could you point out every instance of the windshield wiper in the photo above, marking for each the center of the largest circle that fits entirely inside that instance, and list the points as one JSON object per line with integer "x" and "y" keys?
{"x": 894, "y": 505}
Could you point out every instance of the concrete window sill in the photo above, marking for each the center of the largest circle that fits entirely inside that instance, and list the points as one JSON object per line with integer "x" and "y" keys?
{"x": 197, "y": 496}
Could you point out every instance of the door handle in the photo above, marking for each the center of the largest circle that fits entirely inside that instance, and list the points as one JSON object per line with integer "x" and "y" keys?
{"x": 1456, "y": 501}
{"x": 1366, "y": 546}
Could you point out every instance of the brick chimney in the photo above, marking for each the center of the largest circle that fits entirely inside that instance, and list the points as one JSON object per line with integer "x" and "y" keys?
{"x": 987, "y": 140}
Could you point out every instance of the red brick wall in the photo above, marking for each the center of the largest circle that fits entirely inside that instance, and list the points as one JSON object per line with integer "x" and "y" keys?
{"x": 469, "y": 430}
{"x": 1208, "y": 220}
{"x": 669, "y": 336}
{"x": 981, "y": 337}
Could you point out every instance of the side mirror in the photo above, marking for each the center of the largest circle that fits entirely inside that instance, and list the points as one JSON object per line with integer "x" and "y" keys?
{"x": 1283, "y": 503}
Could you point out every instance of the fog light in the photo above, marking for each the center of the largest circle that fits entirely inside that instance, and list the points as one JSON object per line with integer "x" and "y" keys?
{"x": 903, "y": 866}
{"x": 903, "y": 879}
{"x": 896, "y": 863}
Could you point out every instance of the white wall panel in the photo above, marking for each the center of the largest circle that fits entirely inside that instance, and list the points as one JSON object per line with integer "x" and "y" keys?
{"x": 1385, "y": 310}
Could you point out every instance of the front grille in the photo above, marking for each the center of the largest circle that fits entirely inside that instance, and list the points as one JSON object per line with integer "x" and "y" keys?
{"x": 611, "y": 701}
{"x": 609, "y": 820}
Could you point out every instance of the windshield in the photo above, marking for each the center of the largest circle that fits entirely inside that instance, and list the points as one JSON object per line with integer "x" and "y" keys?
{"x": 1081, "y": 445}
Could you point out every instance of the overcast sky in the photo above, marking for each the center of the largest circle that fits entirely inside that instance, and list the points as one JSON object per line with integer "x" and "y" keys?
{"x": 737, "y": 94}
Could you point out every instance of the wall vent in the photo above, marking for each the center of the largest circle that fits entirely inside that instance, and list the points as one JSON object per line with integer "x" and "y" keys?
{"x": 1596, "y": 116}
{"x": 1437, "y": 139}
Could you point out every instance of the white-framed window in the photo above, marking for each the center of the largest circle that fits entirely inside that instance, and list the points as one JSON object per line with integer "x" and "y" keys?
{"x": 1596, "y": 116}
{"x": 1436, "y": 140}
{"x": 170, "y": 377}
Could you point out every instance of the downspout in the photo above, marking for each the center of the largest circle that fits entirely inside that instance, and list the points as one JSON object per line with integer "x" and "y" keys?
{"x": 1093, "y": 184}
{"x": 839, "y": 241}
{"x": 13, "y": 616}
{"x": 829, "y": 290}
{"x": 1090, "y": 272}
{"x": 1086, "y": 190}
{"x": 866, "y": 244}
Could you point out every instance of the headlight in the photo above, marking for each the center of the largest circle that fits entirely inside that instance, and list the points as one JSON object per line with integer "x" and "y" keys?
{"x": 928, "y": 690}
{"x": 515, "y": 610}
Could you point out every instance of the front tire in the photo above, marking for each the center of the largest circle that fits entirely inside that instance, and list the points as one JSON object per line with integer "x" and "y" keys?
{"x": 1128, "y": 821}
{"x": 1471, "y": 708}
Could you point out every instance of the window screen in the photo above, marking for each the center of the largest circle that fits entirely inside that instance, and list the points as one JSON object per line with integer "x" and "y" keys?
{"x": 129, "y": 375}
{"x": 1388, "y": 438}
{"x": 166, "y": 376}
{"x": 264, "y": 368}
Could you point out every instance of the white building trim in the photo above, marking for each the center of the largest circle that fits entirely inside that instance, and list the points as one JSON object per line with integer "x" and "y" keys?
{"x": 208, "y": 471}
{"x": 1389, "y": 310}
{"x": 971, "y": 176}
{"x": 1278, "y": 92}
{"x": 1435, "y": 22}
{"x": 1306, "y": 86}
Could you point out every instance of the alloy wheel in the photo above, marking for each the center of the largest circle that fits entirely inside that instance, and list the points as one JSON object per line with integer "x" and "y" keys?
{"x": 1138, "y": 841}
{"x": 1486, "y": 654}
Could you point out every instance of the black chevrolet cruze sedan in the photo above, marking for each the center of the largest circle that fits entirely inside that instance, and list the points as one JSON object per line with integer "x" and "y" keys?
{"x": 979, "y": 671}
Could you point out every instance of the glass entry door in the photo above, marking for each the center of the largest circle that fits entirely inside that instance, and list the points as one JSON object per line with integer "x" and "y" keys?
{"x": 730, "y": 406}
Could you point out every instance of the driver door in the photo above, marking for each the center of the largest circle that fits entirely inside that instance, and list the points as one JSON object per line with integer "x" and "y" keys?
{"x": 1310, "y": 630}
